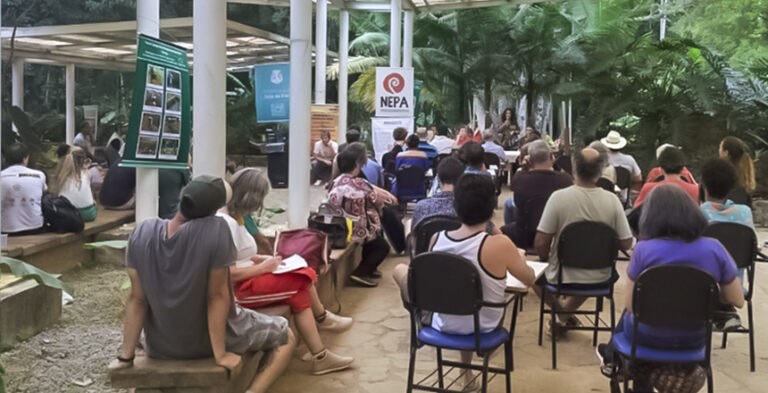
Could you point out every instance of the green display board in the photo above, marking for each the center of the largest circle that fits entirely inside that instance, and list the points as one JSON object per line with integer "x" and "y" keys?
{"x": 159, "y": 126}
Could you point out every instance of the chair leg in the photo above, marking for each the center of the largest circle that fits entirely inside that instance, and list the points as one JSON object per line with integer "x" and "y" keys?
{"x": 553, "y": 327}
{"x": 751, "y": 338}
{"x": 710, "y": 382}
{"x": 440, "y": 369}
{"x": 541, "y": 315}
{"x": 598, "y": 307}
{"x": 411, "y": 366}
{"x": 613, "y": 315}
{"x": 725, "y": 339}
{"x": 486, "y": 358}
{"x": 509, "y": 365}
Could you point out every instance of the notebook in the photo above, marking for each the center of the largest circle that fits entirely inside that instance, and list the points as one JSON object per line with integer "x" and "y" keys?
{"x": 515, "y": 284}
{"x": 294, "y": 262}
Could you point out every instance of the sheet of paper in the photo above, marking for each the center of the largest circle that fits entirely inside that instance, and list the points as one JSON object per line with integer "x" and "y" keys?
{"x": 294, "y": 262}
{"x": 538, "y": 269}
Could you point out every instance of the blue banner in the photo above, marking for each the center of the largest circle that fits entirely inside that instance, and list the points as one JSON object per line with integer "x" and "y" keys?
{"x": 272, "y": 88}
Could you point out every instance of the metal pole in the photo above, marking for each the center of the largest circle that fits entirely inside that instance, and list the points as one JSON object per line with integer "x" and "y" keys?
{"x": 17, "y": 85}
{"x": 343, "y": 73}
{"x": 298, "y": 138}
{"x": 408, "y": 39}
{"x": 69, "y": 87}
{"x": 321, "y": 49}
{"x": 148, "y": 23}
{"x": 209, "y": 95}
{"x": 663, "y": 24}
{"x": 394, "y": 33}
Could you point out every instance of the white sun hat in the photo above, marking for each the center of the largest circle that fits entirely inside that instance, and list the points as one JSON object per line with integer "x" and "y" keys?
{"x": 614, "y": 140}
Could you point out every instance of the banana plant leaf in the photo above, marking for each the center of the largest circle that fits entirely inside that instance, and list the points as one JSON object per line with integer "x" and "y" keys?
{"x": 25, "y": 270}
{"x": 118, "y": 244}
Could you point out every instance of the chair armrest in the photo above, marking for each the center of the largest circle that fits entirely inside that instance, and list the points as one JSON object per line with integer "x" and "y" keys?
{"x": 509, "y": 297}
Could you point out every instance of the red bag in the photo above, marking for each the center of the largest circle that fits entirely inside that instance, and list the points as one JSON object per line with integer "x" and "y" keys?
{"x": 312, "y": 245}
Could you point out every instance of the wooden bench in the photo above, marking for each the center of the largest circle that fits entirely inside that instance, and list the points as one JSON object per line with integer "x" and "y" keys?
{"x": 61, "y": 252}
{"x": 189, "y": 376}
{"x": 334, "y": 278}
{"x": 26, "y": 308}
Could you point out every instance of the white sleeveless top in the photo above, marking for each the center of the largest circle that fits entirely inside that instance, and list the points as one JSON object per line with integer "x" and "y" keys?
{"x": 493, "y": 287}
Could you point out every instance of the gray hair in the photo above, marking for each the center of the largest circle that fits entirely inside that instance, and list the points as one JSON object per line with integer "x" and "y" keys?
{"x": 249, "y": 188}
{"x": 489, "y": 135}
{"x": 539, "y": 151}
{"x": 603, "y": 150}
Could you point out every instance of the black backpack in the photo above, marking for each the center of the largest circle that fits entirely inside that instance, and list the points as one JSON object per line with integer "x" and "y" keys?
{"x": 60, "y": 215}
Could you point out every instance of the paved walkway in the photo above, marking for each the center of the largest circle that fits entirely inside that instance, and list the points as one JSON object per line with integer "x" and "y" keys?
{"x": 379, "y": 341}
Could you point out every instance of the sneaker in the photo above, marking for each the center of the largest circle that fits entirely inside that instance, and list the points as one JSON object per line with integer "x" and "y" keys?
{"x": 318, "y": 182}
{"x": 560, "y": 332}
{"x": 607, "y": 366}
{"x": 327, "y": 362}
{"x": 472, "y": 386}
{"x": 376, "y": 274}
{"x": 572, "y": 321}
{"x": 334, "y": 323}
{"x": 362, "y": 281}
{"x": 728, "y": 324}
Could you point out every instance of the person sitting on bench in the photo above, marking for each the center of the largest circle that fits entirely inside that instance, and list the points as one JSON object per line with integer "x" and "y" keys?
{"x": 22, "y": 193}
{"x": 181, "y": 294}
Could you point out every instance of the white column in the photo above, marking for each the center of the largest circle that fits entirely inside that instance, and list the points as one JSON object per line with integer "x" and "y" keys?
{"x": 298, "y": 138}
{"x": 321, "y": 49}
{"x": 663, "y": 22}
{"x": 148, "y": 23}
{"x": 69, "y": 87}
{"x": 209, "y": 95}
{"x": 17, "y": 85}
{"x": 343, "y": 73}
{"x": 408, "y": 38}
{"x": 394, "y": 33}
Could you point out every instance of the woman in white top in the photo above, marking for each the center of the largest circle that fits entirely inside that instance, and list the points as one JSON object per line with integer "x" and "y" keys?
{"x": 257, "y": 286}
{"x": 492, "y": 255}
{"x": 74, "y": 183}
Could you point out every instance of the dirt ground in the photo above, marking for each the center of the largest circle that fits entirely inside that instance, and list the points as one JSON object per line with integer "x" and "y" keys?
{"x": 77, "y": 350}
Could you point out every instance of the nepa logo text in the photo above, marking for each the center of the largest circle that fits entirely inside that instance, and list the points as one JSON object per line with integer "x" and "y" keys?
{"x": 393, "y": 84}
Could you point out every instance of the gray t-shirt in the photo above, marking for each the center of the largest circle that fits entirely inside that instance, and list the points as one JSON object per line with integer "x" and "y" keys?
{"x": 174, "y": 276}
{"x": 575, "y": 204}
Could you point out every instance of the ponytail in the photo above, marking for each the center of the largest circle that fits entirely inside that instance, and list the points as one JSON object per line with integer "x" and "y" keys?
{"x": 746, "y": 173}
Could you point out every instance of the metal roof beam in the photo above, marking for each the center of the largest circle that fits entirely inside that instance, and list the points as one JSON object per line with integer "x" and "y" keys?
{"x": 89, "y": 28}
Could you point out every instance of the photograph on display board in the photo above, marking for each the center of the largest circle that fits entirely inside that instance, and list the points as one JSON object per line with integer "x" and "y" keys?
{"x": 150, "y": 122}
{"x": 153, "y": 99}
{"x": 155, "y": 75}
{"x": 173, "y": 80}
{"x": 172, "y": 125}
{"x": 169, "y": 149}
{"x": 147, "y": 147}
{"x": 173, "y": 102}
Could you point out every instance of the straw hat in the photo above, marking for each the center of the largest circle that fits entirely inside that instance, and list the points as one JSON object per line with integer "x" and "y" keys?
{"x": 614, "y": 141}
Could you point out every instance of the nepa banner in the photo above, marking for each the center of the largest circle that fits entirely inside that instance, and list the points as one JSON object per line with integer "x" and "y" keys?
{"x": 394, "y": 92}
{"x": 272, "y": 88}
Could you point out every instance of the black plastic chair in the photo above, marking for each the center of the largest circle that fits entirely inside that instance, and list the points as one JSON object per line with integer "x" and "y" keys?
{"x": 583, "y": 245}
{"x": 492, "y": 159}
{"x": 411, "y": 183}
{"x": 741, "y": 242}
{"x": 449, "y": 284}
{"x": 669, "y": 297}
{"x": 426, "y": 228}
{"x": 606, "y": 185}
{"x": 527, "y": 220}
{"x": 624, "y": 182}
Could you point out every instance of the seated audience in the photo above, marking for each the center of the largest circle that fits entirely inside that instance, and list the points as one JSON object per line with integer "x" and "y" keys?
{"x": 324, "y": 152}
{"x": 583, "y": 201}
{"x": 257, "y": 286}
{"x": 170, "y": 183}
{"x": 441, "y": 142}
{"x": 74, "y": 183}
{"x": 493, "y": 255}
{"x": 671, "y": 226}
{"x": 718, "y": 177}
{"x": 388, "y": 159}
{"x": 364, "y": 201}
{"x": 85, "y": 139}
{"x": 424, "y": 145}
{"x": 615, "y": 142}
{"x": 117, "y": 191}
{"x": 181, "y": 296}
{"x": 490, "y": 146}
{"x": 672, "y": 162}
{"x": 538, "y": 182}
{"x": 609, "y": 171}
{"x": 655, "y": 174}
{"x": 473, "y": 156}
{"x": 411, "y": 157}
{"x": 463, "y": 136}
{"x": 735, "y": 150}
{"x": 441, "y": 202}
{"x": 352, "y": 135}
{"x": 22, "y": 193}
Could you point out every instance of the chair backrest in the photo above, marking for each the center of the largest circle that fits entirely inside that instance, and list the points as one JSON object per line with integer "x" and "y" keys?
{"x": 444, "y": 283}
{"x": 739, "y": 240}
{"x": 388, "y": 161}
{"x": 528, "y": 217}
{"x": 564, "y": 162}
{"x": 623, "y": 177}
{"x": 674, "y": 297}
{"x": 491, "y": 159}
{"x": 411, "y": 181}
{"x": 426, "y": 228}
{"x": 587, "y": 245}
{"x": 605, "y": 184}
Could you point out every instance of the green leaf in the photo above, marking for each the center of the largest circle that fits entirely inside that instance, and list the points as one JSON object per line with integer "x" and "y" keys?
{"x": 118, "y": 244}
{"x": 25, "y": 270}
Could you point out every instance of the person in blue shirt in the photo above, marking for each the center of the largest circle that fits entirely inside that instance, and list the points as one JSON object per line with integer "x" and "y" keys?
{"x": 490, "y": 145}
{"x": 718, "y": 179}
{"x": 426, "y": 147}
{"x": 473, "y": 155}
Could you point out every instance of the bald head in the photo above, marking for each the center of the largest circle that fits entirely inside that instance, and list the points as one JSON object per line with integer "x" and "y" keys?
{"x": 588, "y": 165}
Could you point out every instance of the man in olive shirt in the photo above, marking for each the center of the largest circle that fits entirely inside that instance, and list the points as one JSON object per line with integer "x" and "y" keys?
{"x": 171, "y": 182}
